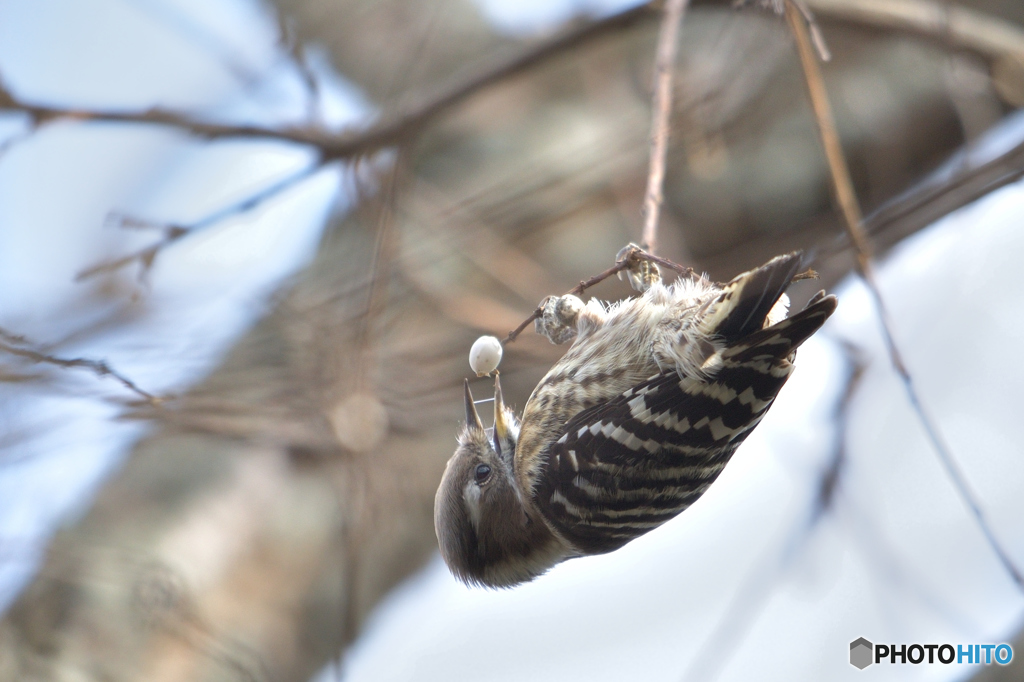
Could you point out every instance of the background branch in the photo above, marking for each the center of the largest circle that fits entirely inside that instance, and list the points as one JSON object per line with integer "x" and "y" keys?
{"x": 665, "y": 59}
{"x": 960, "y": 28}
{"x": 173, "y": 232}
{"x": 18, "y": 345}
{"x": 843, "y": 186}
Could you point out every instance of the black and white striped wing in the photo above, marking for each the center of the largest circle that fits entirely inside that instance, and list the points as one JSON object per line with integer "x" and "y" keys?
{"x": 624, "y": 467}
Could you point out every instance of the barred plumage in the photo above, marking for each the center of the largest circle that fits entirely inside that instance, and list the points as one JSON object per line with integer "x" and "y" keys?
{"x": 627, "y": 430}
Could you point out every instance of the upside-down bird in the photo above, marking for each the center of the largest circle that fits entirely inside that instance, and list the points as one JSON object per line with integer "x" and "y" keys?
{"x": 627, "y": 430}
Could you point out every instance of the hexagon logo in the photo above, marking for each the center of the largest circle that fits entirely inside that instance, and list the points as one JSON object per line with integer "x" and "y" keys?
{"x": 861, "y": 653}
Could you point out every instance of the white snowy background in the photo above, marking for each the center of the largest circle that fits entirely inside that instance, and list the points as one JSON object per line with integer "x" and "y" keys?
{"x": 755, "y": 582}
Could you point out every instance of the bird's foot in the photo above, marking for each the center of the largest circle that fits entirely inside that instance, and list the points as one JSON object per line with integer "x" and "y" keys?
{"x": 558, "y": 318}
{"x": 642, "y": 274}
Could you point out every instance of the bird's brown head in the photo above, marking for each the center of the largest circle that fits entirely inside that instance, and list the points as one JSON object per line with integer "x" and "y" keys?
{"x": 485, "y": 531}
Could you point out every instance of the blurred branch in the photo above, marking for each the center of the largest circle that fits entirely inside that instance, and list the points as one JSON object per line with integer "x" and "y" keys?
{"x": 386, "y": 132}
{"x": 853, "y": 221}
{"x": 464, "y": 231}
{"x": 964, "y": 178}
{"x": 289, "y": 42}
{"x": 933, "y": 199}
{"x": 665, "y": 59}
{"x": 172, "y": 232}
{"x": 382, "y": 259}
{"x": 945, "y": 22}
{"x": 961, "y": 28}
{"x": 17, "y": 345}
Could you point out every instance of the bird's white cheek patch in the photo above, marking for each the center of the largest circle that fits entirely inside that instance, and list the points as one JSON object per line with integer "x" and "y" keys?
{"x": 471, "y": 493}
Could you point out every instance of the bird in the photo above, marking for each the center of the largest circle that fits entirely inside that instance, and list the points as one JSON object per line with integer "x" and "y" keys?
{"x": 628, "y": 429}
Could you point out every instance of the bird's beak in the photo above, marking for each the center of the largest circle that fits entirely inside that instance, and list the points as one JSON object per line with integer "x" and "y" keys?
{"x": 501, "y": 429}
{"x": 472, "y": 418}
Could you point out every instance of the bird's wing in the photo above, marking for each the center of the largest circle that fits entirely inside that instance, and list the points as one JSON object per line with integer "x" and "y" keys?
{"x": 625, "y": 466}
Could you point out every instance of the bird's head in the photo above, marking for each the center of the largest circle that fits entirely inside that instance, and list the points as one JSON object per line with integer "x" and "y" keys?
{"x": 486, "y": 534}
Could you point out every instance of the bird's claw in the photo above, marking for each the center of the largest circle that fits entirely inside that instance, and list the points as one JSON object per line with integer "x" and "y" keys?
{"x": 558, "y": 318}
{"x": 642, "y": 274}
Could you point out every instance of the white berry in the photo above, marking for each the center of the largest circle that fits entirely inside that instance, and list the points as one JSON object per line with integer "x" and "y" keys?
{"x": 485, "y": 355}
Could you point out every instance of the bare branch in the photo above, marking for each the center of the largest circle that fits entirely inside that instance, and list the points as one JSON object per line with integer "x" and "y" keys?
{"x": 681, "y": 270}
{"x": 853, "y": 222}
{"x": 172, "y": 232}
{"x": 16, "y": 344}
{"x": 935, "y": 198}
{"x": 949, "y": 24}
{"x": 289, "y": 43}
{"x": 668, "y": 41}
{"x": 576, "y": 291}
{"x": 355, "y": 143}
{"x": 633, "y": 254}
{"x": 958, "y": 27}
{"x": 817, "y": 38}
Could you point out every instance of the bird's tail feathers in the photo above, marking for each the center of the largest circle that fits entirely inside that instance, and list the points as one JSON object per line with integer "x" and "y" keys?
{"x": 782, "y": 338}
{"x": 745, "y": 302}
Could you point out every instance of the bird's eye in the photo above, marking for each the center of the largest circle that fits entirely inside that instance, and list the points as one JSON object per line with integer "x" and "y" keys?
{"x": 483, "y": 472}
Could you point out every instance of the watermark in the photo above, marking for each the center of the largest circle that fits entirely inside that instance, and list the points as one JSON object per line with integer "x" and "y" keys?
{"x": 863, "y": 653}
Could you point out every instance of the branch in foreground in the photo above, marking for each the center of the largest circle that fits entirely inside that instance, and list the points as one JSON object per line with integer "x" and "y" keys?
{"x": 853, "y": 221}
{"x": 18, "y": 345}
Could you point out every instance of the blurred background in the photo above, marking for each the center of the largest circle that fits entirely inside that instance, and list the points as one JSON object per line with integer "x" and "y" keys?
{"x": 245, "y": 247}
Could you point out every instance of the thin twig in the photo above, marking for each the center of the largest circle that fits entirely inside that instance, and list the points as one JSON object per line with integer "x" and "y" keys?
{"x": 172, "y": 232}
{"x": 628, "y": 260}
{"x": 847, "y": 199}
{"x": 575, "y": 291}
{"x": 380, "y": 266}
{"x": 514, "y": 334}
{"x": 668, "y": 41}
{"x": 817, "y": 37}
{"x": 681, "y": 270}
{"x": 289, "y": 43}
{"x": 15, "y": 344}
